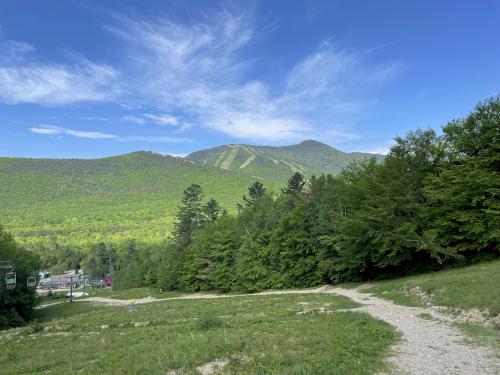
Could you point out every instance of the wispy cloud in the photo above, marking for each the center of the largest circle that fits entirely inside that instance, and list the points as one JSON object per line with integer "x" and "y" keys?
{"x": 24, "y": 79}
{"x": 52, "y": 130}
{"x": 134, "y": 120}
{"x": 198, "y": 72}
{"x": 161, "y": 119}
{"x": 175, "y": 154}
{"x": 198, "y": 68}
{"x": 56, "y": 130}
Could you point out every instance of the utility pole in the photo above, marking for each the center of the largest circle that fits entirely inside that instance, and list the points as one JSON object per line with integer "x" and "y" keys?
{"x": 71, "y": 288}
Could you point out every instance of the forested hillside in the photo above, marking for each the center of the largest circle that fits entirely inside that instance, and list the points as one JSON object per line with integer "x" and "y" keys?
{"x": 308, "y": 157}
{"x": 433, "y": 203}
{"x": 82, "y": 202}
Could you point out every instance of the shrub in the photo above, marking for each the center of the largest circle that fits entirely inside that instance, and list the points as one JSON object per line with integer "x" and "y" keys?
{"x": 208, "y": 321}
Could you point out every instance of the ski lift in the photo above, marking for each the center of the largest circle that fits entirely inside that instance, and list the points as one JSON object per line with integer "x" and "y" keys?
{"x": 10, "y": 280}
{"x": 31, "y": 282}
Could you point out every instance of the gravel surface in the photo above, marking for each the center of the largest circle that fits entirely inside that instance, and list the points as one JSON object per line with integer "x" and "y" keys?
{"x": 427, "y": 346}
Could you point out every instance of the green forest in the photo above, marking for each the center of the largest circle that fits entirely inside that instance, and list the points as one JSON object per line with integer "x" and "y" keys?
{"x": 433, "y": 203}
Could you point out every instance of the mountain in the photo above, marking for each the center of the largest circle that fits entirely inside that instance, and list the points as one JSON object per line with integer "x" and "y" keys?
{"x": 136, "y": 195}
{"x": 132, "y": 195}
{"x": 309, "y": 157}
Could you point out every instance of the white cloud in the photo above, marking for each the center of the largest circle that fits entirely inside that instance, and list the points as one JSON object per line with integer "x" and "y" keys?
{"x": 48, "y": 130}
{"x": 134, "y": 120}
{"x": 199, "y": 69}
{"x": 163, "y": 119}
{"x": 56, "y": 130}
{"x": 53, "y": 130}
{"x": 23, "y": 79}
{"x": 381, "y": 150}
{"x": 174, "y": 154}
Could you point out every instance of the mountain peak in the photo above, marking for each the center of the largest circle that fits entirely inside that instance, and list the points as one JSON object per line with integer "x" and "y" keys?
{"x": 311, "y": 142}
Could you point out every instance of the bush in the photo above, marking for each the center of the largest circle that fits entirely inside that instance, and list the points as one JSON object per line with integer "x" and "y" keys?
{"x": 206, "y": 322}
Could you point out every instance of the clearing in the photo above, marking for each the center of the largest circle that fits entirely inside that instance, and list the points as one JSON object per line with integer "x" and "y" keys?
{"x": 327, "y": 330}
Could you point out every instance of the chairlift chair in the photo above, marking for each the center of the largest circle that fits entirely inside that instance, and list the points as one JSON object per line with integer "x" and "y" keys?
{"x": 10, "y": 280}
{"x": 31, "y": 282}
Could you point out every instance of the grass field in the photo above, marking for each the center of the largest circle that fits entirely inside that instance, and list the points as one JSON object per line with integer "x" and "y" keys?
{"x": 297, "y": 334}
{"x": 475, "y": 286}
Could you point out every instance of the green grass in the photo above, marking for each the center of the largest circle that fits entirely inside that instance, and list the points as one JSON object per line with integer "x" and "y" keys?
{"x": 255, "y": 334}
{"x": 425, "y": 316}
{"x": 476, "y": 286}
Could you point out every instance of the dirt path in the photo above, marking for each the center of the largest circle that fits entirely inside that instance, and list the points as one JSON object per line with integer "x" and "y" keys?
{"x": 427, "y": 346}
{"x": 430, "y": 347}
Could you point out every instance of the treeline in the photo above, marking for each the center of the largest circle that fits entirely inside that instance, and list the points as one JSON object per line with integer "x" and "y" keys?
{"x": 434, "y": 202}
{"x": 16, "y": 305}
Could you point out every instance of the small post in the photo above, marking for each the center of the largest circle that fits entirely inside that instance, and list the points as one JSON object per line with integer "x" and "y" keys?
{"x": 131, "y": 308}
{"x": 71, "y": 289}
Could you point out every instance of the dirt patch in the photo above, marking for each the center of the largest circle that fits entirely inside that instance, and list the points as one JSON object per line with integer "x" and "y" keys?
{"x": 212, "y": 367}
{"x": 425, "y": 297}
{"x": 473, "y": 316}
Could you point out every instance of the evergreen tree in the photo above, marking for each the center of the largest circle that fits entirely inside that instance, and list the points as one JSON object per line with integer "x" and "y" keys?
{"x": 190, "y": 215}
{"x": 295, "y": 184}
{"x": 212, "y": 210}
{"x": 255, "y": 191}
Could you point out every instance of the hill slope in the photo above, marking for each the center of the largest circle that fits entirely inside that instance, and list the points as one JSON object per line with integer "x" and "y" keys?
{"x": 135, "y": 195}
{"x": 74, "y": 201}
{"x": 308, "y": 157}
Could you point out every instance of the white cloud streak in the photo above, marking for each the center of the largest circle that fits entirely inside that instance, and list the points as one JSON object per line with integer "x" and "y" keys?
{"x": 52, "y": 130}
{"x": 56, "y": 130}
{"x": 162, "y": 119}
{"x": 23, "y": 79}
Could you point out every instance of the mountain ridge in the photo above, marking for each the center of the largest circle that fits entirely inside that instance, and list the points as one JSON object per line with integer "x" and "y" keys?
{"x": 135, "y": 195}
{"x": 309, "y": 157}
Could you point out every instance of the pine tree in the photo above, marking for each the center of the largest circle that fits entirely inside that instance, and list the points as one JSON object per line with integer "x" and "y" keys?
{"x": 190, "y": 215}
{"x": 255, "y": 191}
{"x": 212, "y": 210}
{"x": 295, "y": 184}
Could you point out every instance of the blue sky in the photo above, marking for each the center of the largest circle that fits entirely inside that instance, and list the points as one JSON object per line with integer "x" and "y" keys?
{"x": 98, "y": 78}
